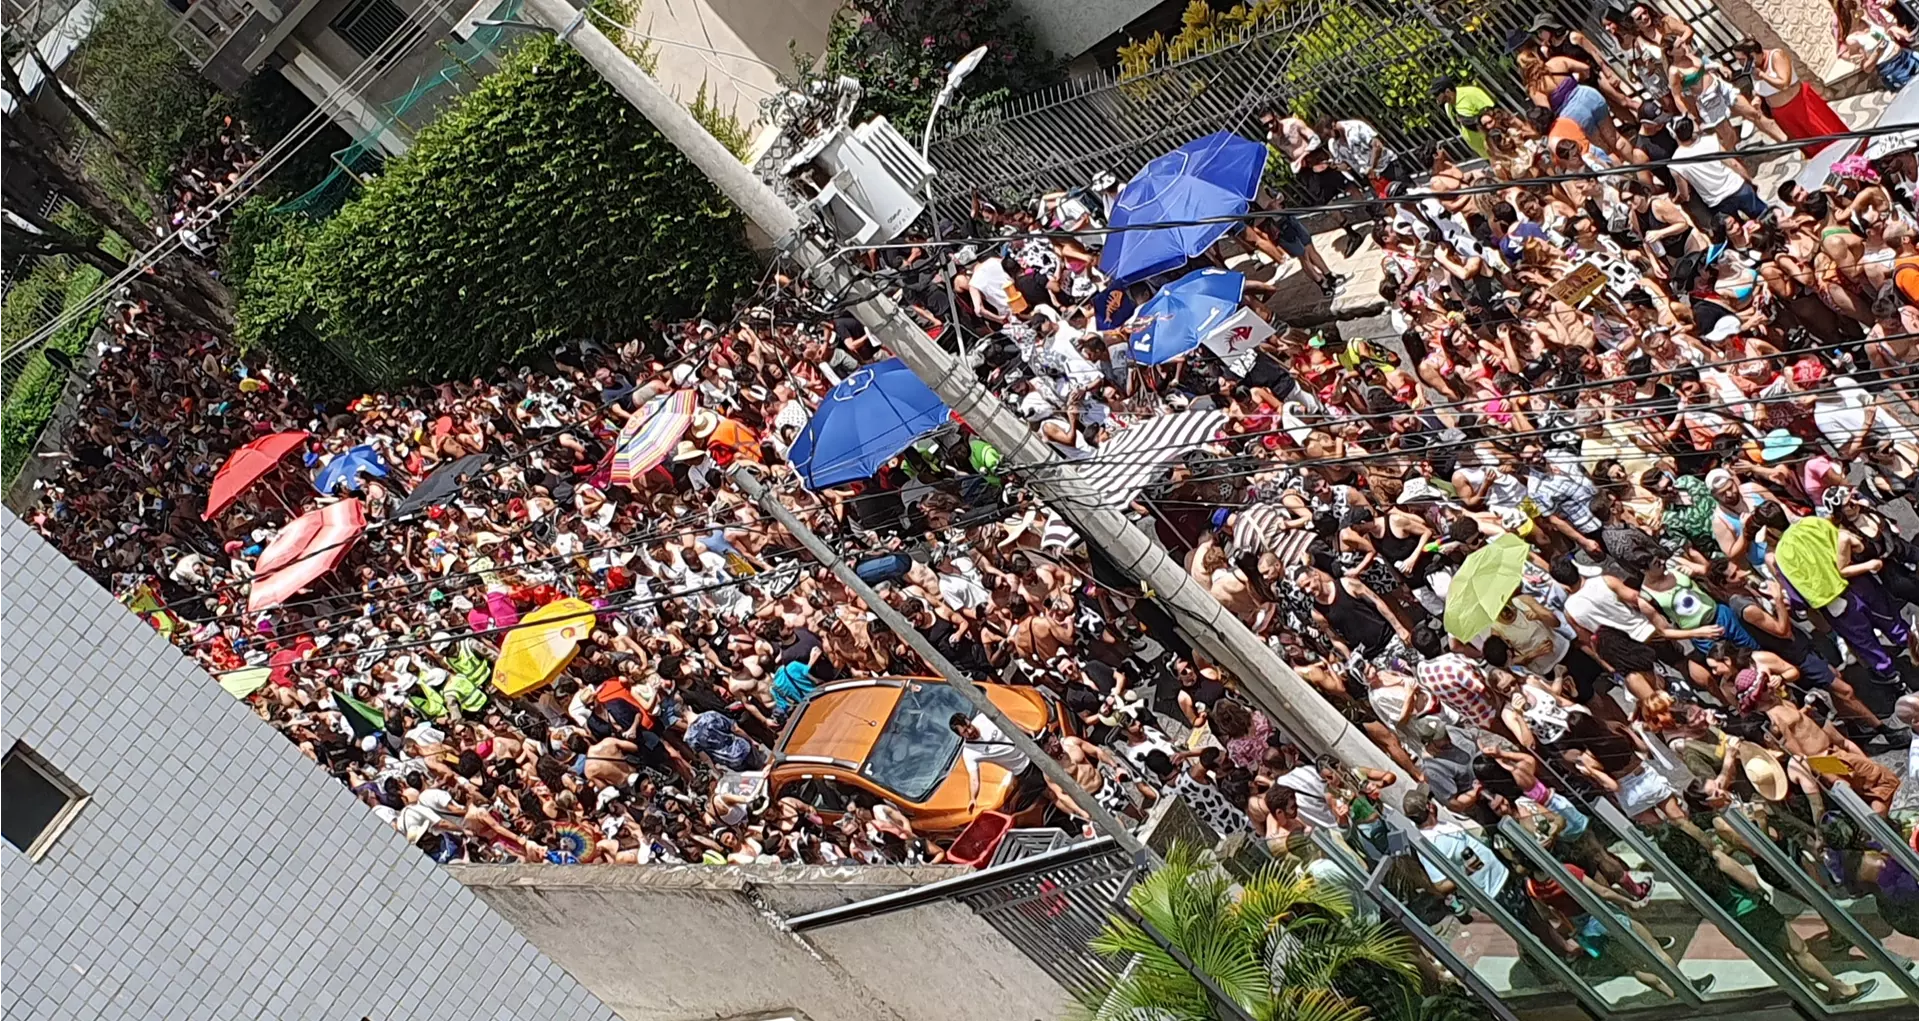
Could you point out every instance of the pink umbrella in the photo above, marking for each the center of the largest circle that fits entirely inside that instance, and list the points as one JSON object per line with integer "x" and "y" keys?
{"x": 310, "y": 546}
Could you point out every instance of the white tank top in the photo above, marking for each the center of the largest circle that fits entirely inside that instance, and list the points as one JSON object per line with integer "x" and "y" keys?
{"x": 1766, "y": 91}
{"x": 1594, "y": 606}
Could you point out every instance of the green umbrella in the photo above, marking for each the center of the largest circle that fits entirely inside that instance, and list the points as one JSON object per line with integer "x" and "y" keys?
{"x": 1483, "y": 586}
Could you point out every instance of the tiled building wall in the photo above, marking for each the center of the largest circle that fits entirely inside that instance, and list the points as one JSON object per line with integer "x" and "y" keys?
{"x": 216, "y": 874}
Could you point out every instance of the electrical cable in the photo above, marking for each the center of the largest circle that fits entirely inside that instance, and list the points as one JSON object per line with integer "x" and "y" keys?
{"x": 1367, "y": 457}
{"x": 610, "y": 608}
{"x": 309, "y": 126}
{"x": 1467, "y": 402}
{"x": 1132, "y": 457}
{"x": 1343, "y": 205}
{"x": 703, "y": 352}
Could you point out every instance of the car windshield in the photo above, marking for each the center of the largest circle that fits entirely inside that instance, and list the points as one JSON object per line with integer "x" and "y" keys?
{"x": 916, "y": 748}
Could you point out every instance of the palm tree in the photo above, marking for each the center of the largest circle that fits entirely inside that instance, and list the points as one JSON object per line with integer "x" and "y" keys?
{"x": 1287, "y": 948}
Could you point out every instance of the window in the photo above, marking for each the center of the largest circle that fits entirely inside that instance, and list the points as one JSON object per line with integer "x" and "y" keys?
{"x": 823, "y": 793}
{"x": 916, "y": 749}
{"x": 365, "y": 24}
{"x": 37, "y": 801}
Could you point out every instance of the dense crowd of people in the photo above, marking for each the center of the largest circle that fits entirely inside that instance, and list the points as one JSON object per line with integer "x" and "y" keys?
{"x": 1692, "y": 447}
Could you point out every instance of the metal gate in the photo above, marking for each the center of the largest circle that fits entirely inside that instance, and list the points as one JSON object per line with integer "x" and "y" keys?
{"x": 1375, "y": 60}
{"x": 1052, "y": 915}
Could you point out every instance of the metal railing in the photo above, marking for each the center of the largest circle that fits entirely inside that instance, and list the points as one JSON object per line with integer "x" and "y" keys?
{"x": 1374, "y": 60}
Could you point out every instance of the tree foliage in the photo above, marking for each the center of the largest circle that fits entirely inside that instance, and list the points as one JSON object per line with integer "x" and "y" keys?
{"x": 129, "y": 70}
{"x": 1286, "y": 948}
{"x": 901, "y": 50}
{"x": 540, "y": 207}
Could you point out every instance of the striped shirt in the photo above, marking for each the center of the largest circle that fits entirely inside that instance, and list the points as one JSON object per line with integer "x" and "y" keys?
{"x": 1569, "y": 495}
{"x": 1258, "y": 528}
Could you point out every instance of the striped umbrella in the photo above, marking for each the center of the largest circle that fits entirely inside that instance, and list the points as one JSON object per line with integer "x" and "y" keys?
{"x": 1133, "y": 456}
{"x": 649, "y": 436}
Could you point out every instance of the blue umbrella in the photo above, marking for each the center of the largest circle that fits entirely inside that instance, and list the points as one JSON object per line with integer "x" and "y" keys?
{"x": 1208, "y": 177}
{"x": 1183, "y": 313}
{"x": 874, "y": 414}
{"x": 345, "y": 469}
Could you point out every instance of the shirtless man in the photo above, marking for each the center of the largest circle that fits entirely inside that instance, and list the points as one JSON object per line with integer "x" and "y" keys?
{"x": 1096, "y": 771}
{"x": 1227, "y": 583}
{"x": 1041, "y": 637}
{"x": 1283, "y": 822}
{"x": 603, "y": 761}
{"x": 1759, "y": 689}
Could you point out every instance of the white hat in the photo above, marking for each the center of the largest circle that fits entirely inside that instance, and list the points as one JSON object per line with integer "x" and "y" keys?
{"x": 414, "y": 821}
{"x": 1723, "y": 328}
{"x": 1718, "y": 477}
{"x": 1419, "y": 488}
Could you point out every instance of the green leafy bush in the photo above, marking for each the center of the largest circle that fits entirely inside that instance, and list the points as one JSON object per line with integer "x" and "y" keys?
{"x": 901, "y": 50}
{"x": 723, "y": 125}
{"x": 540, "y": 207}
{"x": 34, "y": 396}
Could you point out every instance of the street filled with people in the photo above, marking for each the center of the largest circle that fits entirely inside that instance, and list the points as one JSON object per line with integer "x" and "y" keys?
{"x": 1608, "y": 515}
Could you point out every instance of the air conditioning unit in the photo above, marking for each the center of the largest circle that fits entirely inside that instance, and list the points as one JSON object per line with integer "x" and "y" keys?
{"x": 868, "y": 182}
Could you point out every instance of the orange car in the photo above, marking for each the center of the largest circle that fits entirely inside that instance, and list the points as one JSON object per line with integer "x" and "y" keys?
{"x": 889, "y": 738}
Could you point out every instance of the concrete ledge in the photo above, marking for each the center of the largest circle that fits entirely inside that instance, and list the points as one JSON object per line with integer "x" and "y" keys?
{"x": 856, "y": 880}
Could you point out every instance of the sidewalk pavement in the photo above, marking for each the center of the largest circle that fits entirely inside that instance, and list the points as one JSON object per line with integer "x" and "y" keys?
{"x": 1296, "y": 297}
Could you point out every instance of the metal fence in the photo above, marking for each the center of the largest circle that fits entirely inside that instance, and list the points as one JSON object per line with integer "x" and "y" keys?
{"x": 1052, "y": 914}
{"x": 1375, "y": 60}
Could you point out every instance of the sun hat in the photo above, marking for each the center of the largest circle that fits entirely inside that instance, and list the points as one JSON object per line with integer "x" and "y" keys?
{"x": 1777, "y": 445}
{"x": 687, "y": 450}
{"x": 1764, "y": 771}
{"x": 704, "y": 423}
{"x": 1725, "y": 327}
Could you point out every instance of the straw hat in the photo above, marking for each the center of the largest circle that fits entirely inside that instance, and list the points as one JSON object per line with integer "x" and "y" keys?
{"x": 688, "y": 451}
{"x": 1764, "y": 770}
{"x": 704, "y": 423}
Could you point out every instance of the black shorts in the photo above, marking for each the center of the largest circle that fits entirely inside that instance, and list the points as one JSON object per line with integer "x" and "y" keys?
{"x": 1287, "y": 233}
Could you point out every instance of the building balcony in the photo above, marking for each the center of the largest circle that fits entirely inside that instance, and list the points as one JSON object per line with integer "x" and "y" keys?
{"x": 223, "y": 37}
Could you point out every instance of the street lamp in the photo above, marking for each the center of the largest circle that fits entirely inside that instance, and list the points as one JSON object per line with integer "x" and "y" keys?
{"x": 955, "y": 75}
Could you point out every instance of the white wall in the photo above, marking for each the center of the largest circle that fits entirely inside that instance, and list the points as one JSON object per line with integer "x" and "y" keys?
{"x": 216, "y": 874}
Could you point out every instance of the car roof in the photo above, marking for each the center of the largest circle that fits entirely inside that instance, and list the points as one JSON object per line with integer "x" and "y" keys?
{"x": 841, "y": 721}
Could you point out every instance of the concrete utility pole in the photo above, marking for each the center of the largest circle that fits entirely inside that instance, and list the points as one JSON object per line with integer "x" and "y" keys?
{"x": 1289, "y": 700}
{"x": 956, "y": 678}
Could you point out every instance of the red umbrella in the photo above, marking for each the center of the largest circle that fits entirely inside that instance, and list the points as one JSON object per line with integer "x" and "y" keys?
{"x": 246, "y": 466}
{"x": 310, "y": 546}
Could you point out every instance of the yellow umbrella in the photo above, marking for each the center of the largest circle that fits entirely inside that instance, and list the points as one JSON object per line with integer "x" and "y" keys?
{"x": 245, "y": 681}
{"x": 1483, "y": 586}
{"x": 542, "y": 645}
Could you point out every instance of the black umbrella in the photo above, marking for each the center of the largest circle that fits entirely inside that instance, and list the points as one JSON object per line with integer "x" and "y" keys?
{"x": 440, "y": 487}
